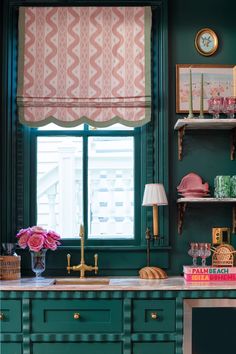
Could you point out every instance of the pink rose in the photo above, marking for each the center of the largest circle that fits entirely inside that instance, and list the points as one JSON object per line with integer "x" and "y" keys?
{"x": 50, "y": 243}
{"x": 38, "y": 230}
{"x": 23, "y": 238}
{"x": 37, "y": 238}
{"x": 36, "y": 242}
{"x": 53, "y": 235}
{"x": 24, "y": 231}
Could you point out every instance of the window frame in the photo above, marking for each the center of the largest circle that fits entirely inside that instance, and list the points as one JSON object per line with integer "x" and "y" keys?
{"x": 16, "y": 156}
{"x": 136, "y": 134}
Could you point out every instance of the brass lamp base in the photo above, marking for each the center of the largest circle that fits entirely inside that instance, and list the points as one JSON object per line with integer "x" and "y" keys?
{"x": 152, "y": 273}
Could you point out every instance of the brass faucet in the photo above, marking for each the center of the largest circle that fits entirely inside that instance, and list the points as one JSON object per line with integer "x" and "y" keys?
{"x": 82, "y": 267}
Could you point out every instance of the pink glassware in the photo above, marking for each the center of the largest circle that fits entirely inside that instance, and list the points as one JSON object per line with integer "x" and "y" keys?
{"x": 215, "y": 105}
{"x": 204, "y": 251}
{"x": 194, "y": 252}
{"x": 229, "y": 106}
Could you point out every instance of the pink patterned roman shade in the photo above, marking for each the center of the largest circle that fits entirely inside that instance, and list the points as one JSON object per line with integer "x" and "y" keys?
{"x": 84, "y": 65}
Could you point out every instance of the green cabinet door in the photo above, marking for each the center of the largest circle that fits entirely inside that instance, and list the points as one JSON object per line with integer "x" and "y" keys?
{"x": 10, "y": 348}
{"x": 154, "y": 316}
{"x": 77, "y": 316}
{"x": 77, "y": 348}
{"x": 11, "y": 316}
{"x": 153, "y": 348}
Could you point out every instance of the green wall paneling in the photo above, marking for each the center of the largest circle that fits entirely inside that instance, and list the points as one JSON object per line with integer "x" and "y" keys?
{"x": 124, "y": 261}
{"x": 17, "y": 197}
{"x": 205, "y": 152}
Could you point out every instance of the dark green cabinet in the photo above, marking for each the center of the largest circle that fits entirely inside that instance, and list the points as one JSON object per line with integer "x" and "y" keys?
{"x": 153, "y": 348}
{"x": 80, "y": 316}
{"x": 11, "y": 348}
{"x": 10, "y": 316}
{"x": 154, "y": 316}
{"x": 99, "y": 322}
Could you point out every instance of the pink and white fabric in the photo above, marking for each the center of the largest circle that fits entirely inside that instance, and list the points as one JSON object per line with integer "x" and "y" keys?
{"x": 84, "y": 65}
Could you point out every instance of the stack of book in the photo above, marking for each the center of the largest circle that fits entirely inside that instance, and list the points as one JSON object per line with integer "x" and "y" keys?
{"x": 208, "y": 274}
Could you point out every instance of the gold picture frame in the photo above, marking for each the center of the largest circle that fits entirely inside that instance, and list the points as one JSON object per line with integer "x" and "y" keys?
{"x": 206, "y": 42}
{"x": 218, "y": 80}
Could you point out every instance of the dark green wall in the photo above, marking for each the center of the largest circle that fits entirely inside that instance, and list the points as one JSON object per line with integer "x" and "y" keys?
{"x": 206, "y": 153}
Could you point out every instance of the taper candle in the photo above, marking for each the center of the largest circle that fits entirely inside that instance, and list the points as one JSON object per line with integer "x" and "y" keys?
{"x": 201, "y": 115}
{"x": 81, "y": 231}
{"x": 190, "y": 114}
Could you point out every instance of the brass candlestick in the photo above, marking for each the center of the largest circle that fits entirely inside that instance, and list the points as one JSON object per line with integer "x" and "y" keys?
{"x": 149, "y": 272}
{"x": 154, "y": 195}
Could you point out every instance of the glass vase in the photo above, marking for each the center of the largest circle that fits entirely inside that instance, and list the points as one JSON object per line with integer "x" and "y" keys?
{"x": 38, "y": 262}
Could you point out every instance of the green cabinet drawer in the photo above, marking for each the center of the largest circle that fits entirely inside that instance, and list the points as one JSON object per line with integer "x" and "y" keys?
{"x": 154, "y": 315}
{"x": 153, "y": 348}
{"x": 10, "y": 348}
{"x": 11, "y": 316}
{"x": 76, "y": 348}
{"x": 77, "y": 316}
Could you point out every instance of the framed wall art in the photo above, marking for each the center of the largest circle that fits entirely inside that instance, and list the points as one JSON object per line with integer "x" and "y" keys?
{"x": 206, "y": 42}
{"x": 218, "y": 80}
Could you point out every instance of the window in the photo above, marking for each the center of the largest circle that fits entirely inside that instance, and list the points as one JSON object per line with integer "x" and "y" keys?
{"x": 19, "y": 153}
{"x": 87, "y": 176}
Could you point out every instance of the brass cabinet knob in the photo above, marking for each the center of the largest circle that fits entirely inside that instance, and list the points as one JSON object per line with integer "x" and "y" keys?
{"x": 1, "y": 316}
{"x": 154, "y": 315}
{"x": 76, "y": 316}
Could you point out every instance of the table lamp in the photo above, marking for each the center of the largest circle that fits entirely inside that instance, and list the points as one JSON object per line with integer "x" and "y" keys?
{"x": 154, "y": 195}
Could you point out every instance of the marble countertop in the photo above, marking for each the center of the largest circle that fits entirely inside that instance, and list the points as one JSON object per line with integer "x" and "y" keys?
{"x": 110, "y": 284}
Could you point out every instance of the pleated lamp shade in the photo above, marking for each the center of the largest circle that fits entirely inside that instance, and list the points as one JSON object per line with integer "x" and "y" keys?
{"x": 154, "y": 194}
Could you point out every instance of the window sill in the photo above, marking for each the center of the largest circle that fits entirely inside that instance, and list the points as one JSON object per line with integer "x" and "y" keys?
{"x": 114, "y": 248}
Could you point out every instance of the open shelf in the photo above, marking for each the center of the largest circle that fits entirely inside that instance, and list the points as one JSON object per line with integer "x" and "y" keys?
{"x": 206, "y": 200}
{"x": 183, "y": 202}
{"x": 195, "y": 123}
{"x": 209, "y": 124}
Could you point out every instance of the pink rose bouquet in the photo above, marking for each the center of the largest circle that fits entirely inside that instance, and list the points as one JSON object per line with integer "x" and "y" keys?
{"x": 37, "y": 238}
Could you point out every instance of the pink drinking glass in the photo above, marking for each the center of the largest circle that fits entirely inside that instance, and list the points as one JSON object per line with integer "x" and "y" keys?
{"x": 194, "y": 252}
{"x": 215, "y": 105}
{"x": 229, "y": 106}
{"x": 204, "y": 252}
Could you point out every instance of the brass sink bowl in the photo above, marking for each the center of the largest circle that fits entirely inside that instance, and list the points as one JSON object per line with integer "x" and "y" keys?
{"x": 79, "y": 281}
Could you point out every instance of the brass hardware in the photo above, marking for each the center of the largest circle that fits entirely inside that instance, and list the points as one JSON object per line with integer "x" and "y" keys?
{"x": 96, "y": 263}
{"x": 223, "y": 255}
{"x": 82, "y": 267}
{"x": 233, "y": 144}
{"x": 234, "y": 220}
{"x": 76, "y": 316}
{"x": 220, "y": 235}
{"x": 154, "y": 315}
{"x": 181, "y": 133}
{"x": 68, "y": 262}
{"x": 1, "y": 316}
{"x": 181, "y": 211}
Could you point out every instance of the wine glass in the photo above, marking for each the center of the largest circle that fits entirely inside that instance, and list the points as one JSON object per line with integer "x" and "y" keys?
{"x": 229, "y": 106}
{"x": 204, "y": 251}
{"x": 215, "y": 106}
{"x": 194, "y": 252}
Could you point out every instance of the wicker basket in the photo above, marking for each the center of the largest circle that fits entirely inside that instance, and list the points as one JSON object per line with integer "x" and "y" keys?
{"x": 10, "y": 267}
